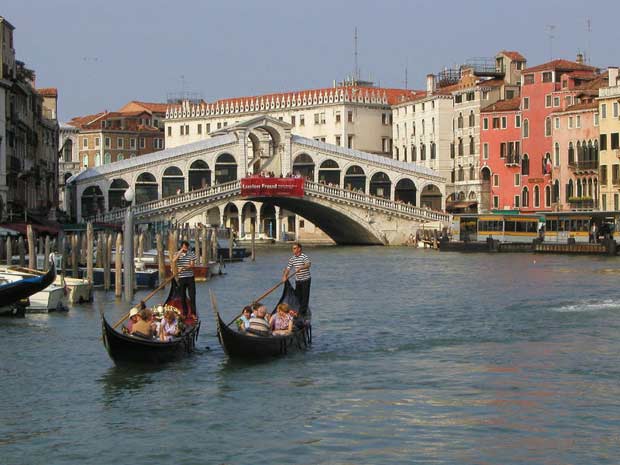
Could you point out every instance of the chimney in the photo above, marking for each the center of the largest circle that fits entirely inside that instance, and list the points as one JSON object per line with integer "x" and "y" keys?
{"x": 613, "y": 76}
{"x": 430, "y": 83}
{"x": 580, "y": 58}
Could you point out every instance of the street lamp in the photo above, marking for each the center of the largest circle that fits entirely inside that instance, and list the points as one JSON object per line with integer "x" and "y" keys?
{"x": 128, "y": 263}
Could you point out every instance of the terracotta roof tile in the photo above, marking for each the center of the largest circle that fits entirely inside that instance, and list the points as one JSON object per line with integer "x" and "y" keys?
{"x": 560, "y": 65}
{"x": 48, "y": 92}
{"x": 136, "y": 105}
{"x": 512, "y": 104}
{"x": 579, "y": 106}
{"x": 514, "y": 56}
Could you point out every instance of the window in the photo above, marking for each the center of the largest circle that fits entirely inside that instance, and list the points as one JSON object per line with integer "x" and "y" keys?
{"x": 525, "y": 197}
{"x": 107, "y": 142}
{"x": 384, "y": 118}
{"x": 570, "y": 122}
{"x": 107, "y": 158}
{"x": 595, "y": 123}
{"x": 547, "y": 76}
{"x": 528, "y": 79}
{"x": 502, "y": 150}
{"x": 293, "y": 120}
{"x": 219, "y": 125}
{"x": 568, "y": 100}
{"x": 98, "y": 159}
{"x": 526, "y": 128}
{"x": 452, "y": 150}
{"x": 120, "y": 157}
{"x": 142, "y": 142}
{"x": 350, "y": 116}
{"x": 350, "y": 141}
{"x": 458, "y": 98}
{"x": 614, "y": 111}
{"x": 526, "y": 103}
{"x": 556, "y": 101}
{"x": 470, "y": 96}
{"x": 199, "y": 128}
{"x": 119, "y": 143}
{"x": 460, "y": 146}
{"x": 504, "y": 122}
{"x": 614, "y": 142}
{"x": 495, "y": 201}
{"x": 547, "y": 127}
{"x": 485, "y": 151}
{"x": 537, "y": 196}
{"x": 496, "y": 180}
{"x": 338, "y": 117}
{"x": 132, "y": 142}
{"x": 85, "y": 143}
{"x": 158, "y": 143}
{"x": 485, "y": 124}
{"x": 496, "y": 123}
{"x": 615, "y": 174}
{"x": 603, "y": 110}
{"x": 577, "y": 121}
{"x": 472, "y": 119}
{"x": 517, "y": 121}
{"x": 556, "y": 154}
{"x": 460, "y": 121}
{"x": 97, "y": 141}
{"x": 322, "y": 117}
{"x": 604, "y": 175}
{"x": 525, "y": 165}
{"x": 517, "y": 179}
{"x": 338, "y": 140}
{"x": 517, "y": 201}
{"x": 472, "y": 146}
{"x": 208, "y": 130}
{"x": 548, "y": 100}
{"x": 433, "y": 151}
{"x": 85, "y": 161}
{"x": 603, "y": 142}
{"x": 169, "y": 131}
{"x": 302, "y": 120}
{"x": 615, "y": 201}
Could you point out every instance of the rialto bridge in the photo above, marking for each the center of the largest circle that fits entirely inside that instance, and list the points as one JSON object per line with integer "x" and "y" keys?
{"x": 354, "y": 197}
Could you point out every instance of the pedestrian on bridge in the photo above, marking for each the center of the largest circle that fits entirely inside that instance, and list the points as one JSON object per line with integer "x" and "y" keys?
{"x": 300, "y": 263}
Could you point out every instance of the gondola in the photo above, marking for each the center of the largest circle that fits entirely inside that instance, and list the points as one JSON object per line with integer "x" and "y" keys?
{"x": 15, "y": 288}
{"x": 127, "y": 349}
{"x": 248, "y": 346}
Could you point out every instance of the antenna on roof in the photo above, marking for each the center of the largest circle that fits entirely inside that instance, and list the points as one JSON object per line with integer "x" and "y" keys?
{"x": 356, "y": 72}
{"x": 550, "y": 28}
{"x": 589, "y": 30}
{"x": 405, "y": 76}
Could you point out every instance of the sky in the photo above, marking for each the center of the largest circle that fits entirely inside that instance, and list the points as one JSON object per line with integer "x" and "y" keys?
{"x": 103, "y": 54}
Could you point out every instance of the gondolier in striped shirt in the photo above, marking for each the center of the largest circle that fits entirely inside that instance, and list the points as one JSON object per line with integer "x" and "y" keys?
{"x": 185, "y": 260}
{"x": 300, "y": 263}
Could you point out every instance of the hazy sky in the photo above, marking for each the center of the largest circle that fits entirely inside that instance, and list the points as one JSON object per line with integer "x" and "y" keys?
{"x": 102, "y": 54}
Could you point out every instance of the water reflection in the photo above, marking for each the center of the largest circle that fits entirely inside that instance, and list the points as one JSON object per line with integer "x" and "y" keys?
{"x": 118, "y": 382}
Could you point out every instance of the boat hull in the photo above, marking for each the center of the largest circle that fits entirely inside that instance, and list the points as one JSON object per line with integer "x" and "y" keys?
{"x": 47, "y": 300}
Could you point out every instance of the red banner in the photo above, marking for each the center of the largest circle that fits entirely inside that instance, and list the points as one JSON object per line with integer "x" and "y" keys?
{"x": 258, "y": 186}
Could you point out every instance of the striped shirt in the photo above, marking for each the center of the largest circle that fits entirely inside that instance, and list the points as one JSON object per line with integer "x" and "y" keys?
{"x": 186, "y": 260}
{"x": 295, "y": 262}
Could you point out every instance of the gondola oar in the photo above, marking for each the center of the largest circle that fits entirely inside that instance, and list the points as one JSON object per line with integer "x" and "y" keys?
{"x": 258, "y": 299}
{"x": 161, "y": 286}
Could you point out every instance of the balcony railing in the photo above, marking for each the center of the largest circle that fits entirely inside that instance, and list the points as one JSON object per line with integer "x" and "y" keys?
{"x": 584, "y": 165}
{"x": 513, "y": 160}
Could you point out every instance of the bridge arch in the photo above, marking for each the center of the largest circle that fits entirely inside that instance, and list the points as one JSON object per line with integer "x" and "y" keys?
{"x": 172, "y": 182}
{"x": 355, "y": 178}
{"x": 116, "y": 193}
{"x": 304, "y": 165}
{"x": 93, "y": 201}
{"x": 231, "y": 216}
{"x": 431, "y": 196}
{"x": 248, "y": 216}
{"x": 381, "y": 185}
{"x": 213, "y": 216}
{"x": 268, "y": 219}
{"x": 329, "y": 172}
{"x": 406, "y": 191}
{"x": 198, "y": 175}
{"x": 225, "y": 168}
{"x": 146, "y": 188}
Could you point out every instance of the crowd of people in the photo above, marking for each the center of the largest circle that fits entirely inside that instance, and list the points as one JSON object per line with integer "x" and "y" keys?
{"x": 143, "y": 323}
{"x": 256, "y": 321}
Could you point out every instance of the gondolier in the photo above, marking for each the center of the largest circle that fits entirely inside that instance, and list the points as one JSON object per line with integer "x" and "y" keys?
{"x": 185, "y": 260}
{"x": 301, "y": 264}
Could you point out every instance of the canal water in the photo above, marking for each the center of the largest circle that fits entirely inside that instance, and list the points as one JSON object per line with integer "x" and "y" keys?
{"x": 418, "y": 357}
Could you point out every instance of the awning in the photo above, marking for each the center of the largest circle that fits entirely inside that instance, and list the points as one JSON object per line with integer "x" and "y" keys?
{"x": 21, "y": 228}
{"x": 462, "y": 204}
{"x": 8, "y": 232}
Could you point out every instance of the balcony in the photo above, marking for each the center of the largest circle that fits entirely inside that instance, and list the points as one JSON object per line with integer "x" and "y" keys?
{"x": 583, "y": 166}
{"x": 512, "y": 160}
{"x": 609, "y": 92}
{"x": 581, "y": 203}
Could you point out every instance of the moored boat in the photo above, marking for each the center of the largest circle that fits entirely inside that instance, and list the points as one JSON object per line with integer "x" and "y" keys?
{"x": 47, "y": 300}
{"x": 18, "y": 284}
{"x": 78, "y": 290}
{"x": 128, "y": 349}
{"x": 249, "y": 346}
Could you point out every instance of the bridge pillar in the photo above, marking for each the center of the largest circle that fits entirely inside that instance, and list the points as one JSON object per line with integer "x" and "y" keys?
{"x": 278, "y": 224}
{"x": 259, "y": 223}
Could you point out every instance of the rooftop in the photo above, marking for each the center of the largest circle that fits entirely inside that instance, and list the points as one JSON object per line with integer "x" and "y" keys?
{"x": 512, "y": 104}
{"x": 560, "y": 65}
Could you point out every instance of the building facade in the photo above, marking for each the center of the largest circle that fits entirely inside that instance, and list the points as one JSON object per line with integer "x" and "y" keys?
{"x": 609, "y": 127}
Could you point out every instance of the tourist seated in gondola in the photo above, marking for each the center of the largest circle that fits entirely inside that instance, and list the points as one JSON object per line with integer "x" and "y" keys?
{"x": 169, "y": 327}
{"x": 243, "y": 322}
{"x": 133, "y": 318}
{"x": 282, "y": 321}
{"x": 259, "y": 326}
{"x": 256, "y": 306}
{"x": 144, "y": 326}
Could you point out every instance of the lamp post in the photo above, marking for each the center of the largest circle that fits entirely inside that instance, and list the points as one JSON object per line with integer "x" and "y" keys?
{"x": 128, "y": 264}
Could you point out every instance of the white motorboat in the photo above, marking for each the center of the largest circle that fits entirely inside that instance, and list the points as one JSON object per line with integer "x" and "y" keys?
{"x": 78, "y": 290}
{"x": 47, "y": 300}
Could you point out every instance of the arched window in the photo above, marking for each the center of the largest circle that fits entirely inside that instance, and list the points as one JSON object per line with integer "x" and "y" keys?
{"x": 526, "y": 128}
{"x": 146, "y": 188}
{"x": 556, "y": 192}
{"x": 547, "y": 196}
{"x": 556, "y": 154}
{"x": 422, "y": 152}
{"x": 414, "y": 153}
{"x": 472, "y": 173}
{"x": 460, "y": 121}
{"x": 461, "y": 174}
{"x": 525, "y": 197}
{"x": 405, "y": 191}
{"x": 173, "y": 182}
{"x": 460, "y": 146}
{"x": 85, "y": 161}
{"x": 107, "y": 158}
{"x": 571, "y": 154}
{"x": 380, "y": 185}
{"x": 472, "y": 145}
{"x": 329, "y": 173}
{"x": 433, "y": 151}
{"x": 199, "y": 175}
{"x": 120, "y": 157}
{"x": 525, "y": 165}
{"x": 225, "y": 168}
{"x": 547, "y": 126}
{"x": 472, "y": 119}
{"x": 569, "y": 189}
{"x": 67, "y": 150}
{"x": 98, "y": 159}
{"x": 355, "y": 179}
{"x": 304, "y": 166}
{"x": 536, "y": 197}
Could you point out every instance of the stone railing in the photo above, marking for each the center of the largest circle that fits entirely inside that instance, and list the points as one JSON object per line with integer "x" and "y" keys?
{"x": 233, "y": 188}
{"x": 338, "y": 194}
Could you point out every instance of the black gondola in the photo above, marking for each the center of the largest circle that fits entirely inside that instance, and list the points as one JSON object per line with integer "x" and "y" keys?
{"x": 243, "y": 345}
{"x": 15, "y": 292}
{"x": 124, "y": 348}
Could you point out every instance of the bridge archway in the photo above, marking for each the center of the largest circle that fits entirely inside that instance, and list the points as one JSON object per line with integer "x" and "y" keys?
{"x": 329, "y": 172}
{"x": 231, "y": 216}
{"x": 406, "y": 191}
{"x": 93, "y": 201}
{"x": 248, "y": 216}
{"x": 172, "y": 182}
{"x": 431, "y": 197}
{"x": 213, "y": 216}
{"x": 355, "y": 179}
{"x": 380, "y": 185}
{"x": 304, "y": 166}
{"x": 116, "y": 194}
{"x": 225, "y": 168}
{"x": 146, "y": 188}
{"x": 199, "y": 175}
{"x": 268, "y": 219}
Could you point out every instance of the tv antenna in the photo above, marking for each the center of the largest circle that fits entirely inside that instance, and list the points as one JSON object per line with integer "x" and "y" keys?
{"x": 550, "y": 28}
{"x": 356, "y": 72}
{"x": 589, "y": 30}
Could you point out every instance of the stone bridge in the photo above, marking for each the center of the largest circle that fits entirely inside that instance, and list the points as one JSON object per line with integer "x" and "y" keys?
{"x": 354, "y": 197}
